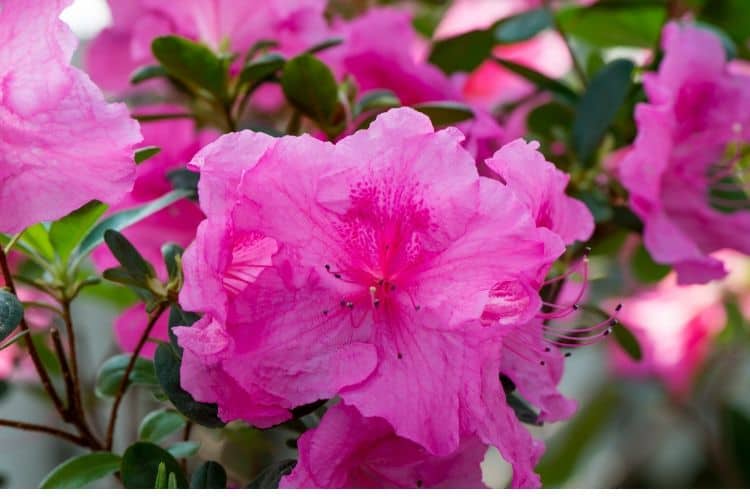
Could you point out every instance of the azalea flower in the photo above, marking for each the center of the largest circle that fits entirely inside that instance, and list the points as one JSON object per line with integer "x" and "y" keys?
{"x": 223, "y": 25}
{"x": 348, "y": 450}
{"x": 62, "y": 144}
{"x": 364, "y": 269}
{"x": 684, "y": 171}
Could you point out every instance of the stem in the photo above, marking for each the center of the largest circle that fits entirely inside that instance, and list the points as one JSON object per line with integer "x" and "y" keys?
{"x": 577, "y": 68}
{"x": 186, "y": 437}
{"x": 126, "y": 376}
{"x": 159, "y": 117}
{"x": 44, "y": 429}
{"x": 67, "y": 317}
{"x": 60, "y": 352}
{"x": 43, "y": 375}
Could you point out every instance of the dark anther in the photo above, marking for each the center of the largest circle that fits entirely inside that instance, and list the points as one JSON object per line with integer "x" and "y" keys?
{"x": 619, "y": 306}
{"x": 607, "y": 331}
{"x": 350, "y": 305}
{"x": 337, "y": 276}
{"x": 575, "y": 307}
{"x": 542, "y": 363}
{"x": 417, "y": 308}
{"x": 419, "y": 483}
{"x": 587, "y": 251}
{"x": 547, "y": 349}
{"x": 613, "y": 322}
{"x": 325, "y": 312}
{"x": 567, "y": 354}
{"x": 328, "y": 267}
{"x": 376, "y": 302}
{"x": 508, "y": 385}
{"x": 400, "y": 356}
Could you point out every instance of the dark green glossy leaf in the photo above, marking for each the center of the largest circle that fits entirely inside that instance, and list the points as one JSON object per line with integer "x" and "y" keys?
{"x": 270, "y": 477}
{"x": 598, "y": 204}
{"x": 612, "y": 25}
{"x": 140, "y": 466}
{"x": 523, "y": 26}
{"x": 376, "y": 99}
{"x": 183, "y": 179}
{"x": 111, "y": 372}
{"x": 126, "y": 254}
{"x": 11, "y": 313}
{"x": 144, "y": 154}
{"x": 262, "y": 68}
{"x": 598, "y": 106}
{"x": 160, "y": 424}
{"x": 126, "y": 218}
{"x": 167, "y": 362}
{"x": 325, "y": 45}
{"x": 463, "y": 53}
{"x": 731, "y": 16}
{"x": 443, "y": 113}
{"x": 550, "y": 119}
{"x": 645, "y": 269}
{"x": 80, "y": 471}
{"x": 210, "y": 475}
{"x": 627, "y": 341}
{"x": 560, "y": 90}
{"x": 66, "y": 233}
{"x": 523, "y": 411}
{"x": 310, "y": 86}
{"x": 735, "y": 425}
{"x": 192, "y": 63}
{"x": 147, "y": 73}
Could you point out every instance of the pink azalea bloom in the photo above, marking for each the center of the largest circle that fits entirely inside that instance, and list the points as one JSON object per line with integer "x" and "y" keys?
{"x": 542, "y": 187}
{"x": 348, "y": 450}
{"x": 361, "y": 269}
{"x": 7, "y": 362}
{"x": 491, "y": 84}
{"x": 233, "y": 25}
{"x": 62, "y": 145}
{"x": 697, "y": 109}
{"x": 382, "y": 50}
{"x": 178, "y": 141}
{"x": 675, "y": 326}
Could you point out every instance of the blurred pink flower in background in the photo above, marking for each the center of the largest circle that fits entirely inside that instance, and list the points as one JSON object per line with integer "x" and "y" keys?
{"x": 491, "y": 84}
{"x": 675, "y": 326}
{"x": 62, "y": 145}
{"x": 130, "y": 325}
{"x": 232, "y": 25}
{"x": 348, "y": 450}
{"x": 697, "y": 108}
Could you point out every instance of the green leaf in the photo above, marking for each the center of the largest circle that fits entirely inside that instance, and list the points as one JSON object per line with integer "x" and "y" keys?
{"x": 523, "y": 411}
{"x": 130, "y": 259}
{"x": 613, "y": 25}
{"x": 111, "y": 372}
{"x": 66, "y": 233}
{"x": 598, "y": 106}
{"x": 11, "y": 313}
{"x": 262, "y": 68}
{"x": 311, "y": 88}
{"x": 167, "y": 362}
{"x": 443, "y": 113}
{"x": 732, "y": 17}
{"x": 376, "y": 99}
{"x": 210, "y": 475}
{"x": 560, "y": 90}
{"x": 172, "y": 254}
{"x": 325, "y": 45}
{"x": 736, "y": 435}
{"x": 627, "y": 341}
{"x": 82, "y": 470}
{"x": 183, "y": 179}
{"x": 550, "y": 120}
{"x": 160, "y": 483}
{"x": 570, "y": 444}
{"x": 147, "y": 73}
{"x": 126, "y": 218}
{"x": 645, "y": 269}
{"x": 144, "y": 154}
{"x": 523, "y": 26}
{"x": 270, "y": 477}
{"x": 37, "y": 237}
{"x": 184, "y": 449}
{"x": 192, "y": 63}
{"x": 160, "y": 424}
{"x": 463, "y": 53}
{"x": 140, "y": 466}
{"x": 598, "y": 205}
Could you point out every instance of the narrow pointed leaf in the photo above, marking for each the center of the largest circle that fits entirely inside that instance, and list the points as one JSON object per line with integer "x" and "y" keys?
{"x": 82, "y": 470}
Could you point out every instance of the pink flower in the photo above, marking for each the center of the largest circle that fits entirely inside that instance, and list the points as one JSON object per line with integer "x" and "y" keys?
{"x": 233, "y": 25}
{"x": 542, "y": 187}
{"x": 348, "y": 450}
{"x": 697, "y": 110}
{"x": 62, "y": 145}
{"x": 361, "y": 269}
{"x": 178, "y": 141}
{"x": 382, "y": 50}
{"x": 675, "y": 326}
{"x": 491, "y": 84}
